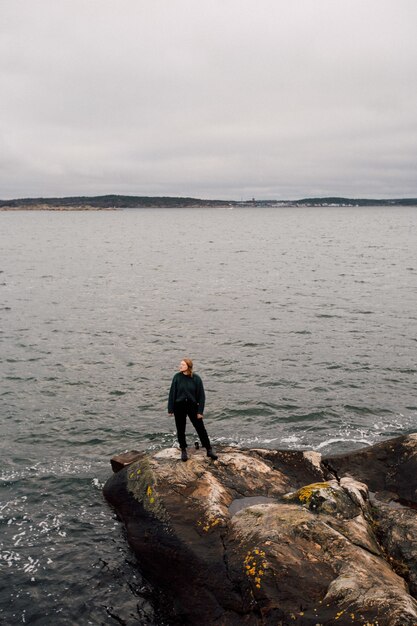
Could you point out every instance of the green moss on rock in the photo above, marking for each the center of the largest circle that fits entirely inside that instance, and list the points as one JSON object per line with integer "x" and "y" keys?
{"x": 141, "y": 483}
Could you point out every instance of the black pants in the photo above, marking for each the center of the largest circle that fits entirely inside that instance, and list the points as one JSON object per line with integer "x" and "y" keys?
{"x": 181, "y": 410}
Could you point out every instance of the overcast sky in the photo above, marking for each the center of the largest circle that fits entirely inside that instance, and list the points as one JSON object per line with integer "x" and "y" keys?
{"x": 208, "y": 98}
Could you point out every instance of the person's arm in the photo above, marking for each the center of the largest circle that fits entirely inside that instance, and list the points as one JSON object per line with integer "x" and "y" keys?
{"x": 201, "y": 397}
{"x": 171, "y": 397}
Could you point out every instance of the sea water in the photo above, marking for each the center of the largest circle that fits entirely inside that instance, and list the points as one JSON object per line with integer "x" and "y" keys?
{"x": 302, "y": 323}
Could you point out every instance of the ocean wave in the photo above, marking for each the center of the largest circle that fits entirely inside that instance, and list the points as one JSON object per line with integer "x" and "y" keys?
{"x": 337, "y": 440}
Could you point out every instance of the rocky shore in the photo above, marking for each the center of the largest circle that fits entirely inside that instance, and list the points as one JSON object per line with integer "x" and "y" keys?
{"x": 275, "y": 537}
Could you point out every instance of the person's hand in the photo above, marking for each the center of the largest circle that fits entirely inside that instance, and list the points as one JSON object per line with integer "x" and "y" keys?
{"x": 170, "y": 414}
{"x": 200, "y": 416}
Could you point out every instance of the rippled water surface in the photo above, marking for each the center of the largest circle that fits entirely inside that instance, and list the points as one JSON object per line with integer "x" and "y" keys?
{"x": 302, "y": 323}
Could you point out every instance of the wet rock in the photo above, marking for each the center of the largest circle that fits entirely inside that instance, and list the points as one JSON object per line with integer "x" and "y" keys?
{"x": 274, "y": 537}
{"x": 396, "y": 531}
{"x": 123, "y": 460}
{"x": 388, "y": 468}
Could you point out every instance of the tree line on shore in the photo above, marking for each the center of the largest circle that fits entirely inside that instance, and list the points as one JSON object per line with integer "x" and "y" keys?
{"x": 122, "y": 202}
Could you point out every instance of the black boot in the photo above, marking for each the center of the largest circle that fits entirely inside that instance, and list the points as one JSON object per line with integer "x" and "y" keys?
{"x": 211, "y": 454}
{"x": 184, "y": 455}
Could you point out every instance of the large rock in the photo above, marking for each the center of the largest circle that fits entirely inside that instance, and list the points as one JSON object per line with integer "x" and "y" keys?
{"x": 275, "y": 537}
{"x": 388, "y": 467}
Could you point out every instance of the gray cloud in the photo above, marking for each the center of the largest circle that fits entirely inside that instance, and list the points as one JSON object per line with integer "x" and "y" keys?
{"x": 281, "y": 99}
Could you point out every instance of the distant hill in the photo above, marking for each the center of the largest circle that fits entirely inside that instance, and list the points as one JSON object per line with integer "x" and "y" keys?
{"x": 123, "y": 202}
{"x": 107, "y": 202}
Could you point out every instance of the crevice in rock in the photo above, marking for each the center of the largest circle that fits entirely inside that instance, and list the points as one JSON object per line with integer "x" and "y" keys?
{"x": 328, "y": 466}
{"x": 336, "y": 529}
{"x": 396, "y": 564}
{"x": 254, "y": 607}
{"x": 364, "y": 510}
{"x": 225, "y": 558}
{"x": 362, "y": 546}
{"x": 118, "y": 619}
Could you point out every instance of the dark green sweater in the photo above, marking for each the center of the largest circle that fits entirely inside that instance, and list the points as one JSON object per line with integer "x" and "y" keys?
{"x": 187, "y": 388}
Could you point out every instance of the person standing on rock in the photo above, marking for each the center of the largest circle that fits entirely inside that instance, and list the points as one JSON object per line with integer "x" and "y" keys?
{"x": 187, "y": 397}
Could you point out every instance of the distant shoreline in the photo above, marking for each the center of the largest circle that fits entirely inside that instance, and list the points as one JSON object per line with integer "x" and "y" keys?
{"x": 55, "y": 208}
{"x": 40, "y": 207}
{"x": 115, "y": 202}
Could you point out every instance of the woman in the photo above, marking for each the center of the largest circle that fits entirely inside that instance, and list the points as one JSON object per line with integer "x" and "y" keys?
{"x": 187, "y": 397}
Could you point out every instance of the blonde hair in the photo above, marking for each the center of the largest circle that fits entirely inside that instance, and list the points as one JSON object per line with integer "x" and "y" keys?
{"x": 189, "y": 362}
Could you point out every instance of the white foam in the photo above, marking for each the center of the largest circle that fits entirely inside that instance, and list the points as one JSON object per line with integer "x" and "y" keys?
{"x": 290, "y": 439}
{"x": 10, "y": 557}
{"x": 329, "y": 442}
{"x": 244, "y": 440}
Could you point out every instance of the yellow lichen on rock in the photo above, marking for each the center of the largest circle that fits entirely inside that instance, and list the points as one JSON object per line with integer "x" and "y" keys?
{"x": 253, "y": 563}
{"x": 208, "y": 523}
{"x": 306, "y": 493}
{"x": 142, "y": 485}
